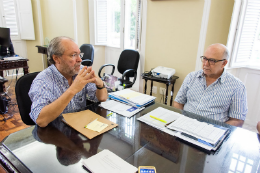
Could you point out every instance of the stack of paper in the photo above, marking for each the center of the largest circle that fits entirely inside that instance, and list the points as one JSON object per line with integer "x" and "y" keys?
{"x": 164, "y": 117}
{"x": 202, "y": 134}
{"x": 132, "y": 98}
{"x": 120, "y": 108}
{"x": 106, "y": 161}
{"x": 199, "y": 133}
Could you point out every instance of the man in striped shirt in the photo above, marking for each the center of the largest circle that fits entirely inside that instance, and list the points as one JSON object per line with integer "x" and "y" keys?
{"x": 64, "y": 86}
{"x": 213, "y": 92}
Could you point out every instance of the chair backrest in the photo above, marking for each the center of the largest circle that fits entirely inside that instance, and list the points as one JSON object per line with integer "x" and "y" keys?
{"x": 128, "y": 59}
{"x": 88, "y": 57}
{"x": 22, "y": 88}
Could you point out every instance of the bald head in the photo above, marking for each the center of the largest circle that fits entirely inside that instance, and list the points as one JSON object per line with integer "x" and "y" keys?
{"x": 219, "y": 49}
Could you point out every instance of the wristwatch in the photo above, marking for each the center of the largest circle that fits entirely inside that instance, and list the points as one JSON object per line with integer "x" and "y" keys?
{"x": 101, "y": 87}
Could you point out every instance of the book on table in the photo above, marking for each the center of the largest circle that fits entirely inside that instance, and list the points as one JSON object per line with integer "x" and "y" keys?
{"x": 131, "y": 97}
{"x": 202, "y": 134}
{"x": 106, "y": 161}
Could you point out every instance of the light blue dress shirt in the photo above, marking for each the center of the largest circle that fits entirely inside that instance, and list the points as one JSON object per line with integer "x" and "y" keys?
{"x": 224, "y": 98}
{"x": 49, "y": 85}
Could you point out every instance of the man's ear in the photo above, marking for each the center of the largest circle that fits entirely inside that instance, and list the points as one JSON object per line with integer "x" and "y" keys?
{"x": 56, "y": 59}
{"x": 225, "y": 63}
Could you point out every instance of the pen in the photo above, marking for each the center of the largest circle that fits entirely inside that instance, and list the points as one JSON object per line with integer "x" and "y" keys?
{"x": 90, "y": 123}
{"x": 158, "y": 119}
{"x": 109, "y": 114}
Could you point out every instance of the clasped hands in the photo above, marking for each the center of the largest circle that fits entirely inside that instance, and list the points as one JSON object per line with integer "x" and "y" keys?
{"x": 85, "y": 75}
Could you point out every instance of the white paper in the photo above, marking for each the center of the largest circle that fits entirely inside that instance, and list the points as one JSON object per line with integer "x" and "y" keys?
{"x": 13, "y": 58}
{"x": 164, "y": 114}
{"x": 133, "y": 96}
{"x": 201, "y": 130}
{"x": 120, "y": 108}
{"x": 106, "y": 161}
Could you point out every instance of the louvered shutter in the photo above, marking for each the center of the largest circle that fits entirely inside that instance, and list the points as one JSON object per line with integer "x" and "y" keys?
{"x": 101, "y": 22}
{"x": 245, "y": 33}
{"x": 9, "y": 15}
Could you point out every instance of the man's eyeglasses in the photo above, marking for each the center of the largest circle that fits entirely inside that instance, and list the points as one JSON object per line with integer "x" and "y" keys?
{"x": 211, "y": 61}
{"x": 75, "y": 55}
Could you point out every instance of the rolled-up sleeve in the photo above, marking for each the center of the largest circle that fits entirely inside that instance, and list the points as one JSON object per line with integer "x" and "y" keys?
{"x": 238, "y": 107}
{"x": 41, "y": 94}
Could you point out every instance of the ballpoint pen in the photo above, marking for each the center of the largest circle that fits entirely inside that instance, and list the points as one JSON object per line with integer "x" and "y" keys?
{"x": 158, "y": 119}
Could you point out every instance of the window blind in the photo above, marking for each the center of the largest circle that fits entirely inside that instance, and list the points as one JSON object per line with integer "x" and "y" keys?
{"x": 101, "y": 21}
{"x": 10, "y": 16}
{"x": 249, "y": 31}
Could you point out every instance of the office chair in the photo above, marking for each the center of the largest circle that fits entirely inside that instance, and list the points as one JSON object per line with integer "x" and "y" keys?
{"x": 127, "y": 66}
{"x": 22, "y": 88}
{"x": 88, "y": 57}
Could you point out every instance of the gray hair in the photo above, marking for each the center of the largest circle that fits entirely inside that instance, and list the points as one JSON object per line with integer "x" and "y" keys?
{"x": 56, "y": 48}
{"x": 226, "y": 53}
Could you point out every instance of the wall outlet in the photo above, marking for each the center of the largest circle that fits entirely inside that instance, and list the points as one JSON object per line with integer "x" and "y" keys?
{"x": 155, "y": 89}
{"x": 162, "y": 91}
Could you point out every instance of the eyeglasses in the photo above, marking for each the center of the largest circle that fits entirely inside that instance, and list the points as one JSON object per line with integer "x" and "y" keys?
{"x": 75, "y": 55}
{"x": 210, "y": 61}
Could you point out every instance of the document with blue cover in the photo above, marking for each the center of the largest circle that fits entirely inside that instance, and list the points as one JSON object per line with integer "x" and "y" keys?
{"x": 132, "y": 98}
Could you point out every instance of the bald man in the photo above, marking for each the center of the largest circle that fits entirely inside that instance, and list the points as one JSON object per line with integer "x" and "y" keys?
{"x": 213, "y": 92}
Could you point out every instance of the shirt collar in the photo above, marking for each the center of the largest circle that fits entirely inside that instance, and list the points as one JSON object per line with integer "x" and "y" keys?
{"x": 222, "y": 78}
{"x": 58, "y": 74}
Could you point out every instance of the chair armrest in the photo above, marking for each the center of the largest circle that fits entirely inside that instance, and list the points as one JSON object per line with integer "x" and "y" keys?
{"x": 86, "y": 62}
{"x": 129, "y": 71}
{"x": 105, "y": 66}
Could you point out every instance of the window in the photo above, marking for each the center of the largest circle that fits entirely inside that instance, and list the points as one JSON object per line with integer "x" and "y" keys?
{"x": 116, "y": 23}
{"x": 17, "y": 15}
{"x": 244, "y": 34}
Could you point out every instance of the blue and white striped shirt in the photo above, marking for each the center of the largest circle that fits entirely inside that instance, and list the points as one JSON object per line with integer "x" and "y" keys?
{"x": 49, "y": 85}
{"x": 224, "y": 98}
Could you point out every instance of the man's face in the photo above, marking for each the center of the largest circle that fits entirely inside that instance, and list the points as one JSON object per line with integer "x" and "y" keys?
{"x": 214, "y": 70}
{"x": 69, "y": 64}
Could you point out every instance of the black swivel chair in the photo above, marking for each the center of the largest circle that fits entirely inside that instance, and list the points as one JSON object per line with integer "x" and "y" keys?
{"x": 22, "y": 88}
{"x": 127, "y": 66}
{"x": 88, "y": 57}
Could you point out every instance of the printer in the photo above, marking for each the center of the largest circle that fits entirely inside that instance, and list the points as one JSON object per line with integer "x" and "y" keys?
{"x": 163, "y": 72}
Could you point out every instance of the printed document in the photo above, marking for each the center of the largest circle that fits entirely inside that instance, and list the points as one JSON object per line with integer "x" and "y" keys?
{"x": 120, "y": 108}
{"x": 161, "y": 114}
{"x": 200, "y": 130}
{"x": 106, "y": 161}
{"x": 132, "y": 97}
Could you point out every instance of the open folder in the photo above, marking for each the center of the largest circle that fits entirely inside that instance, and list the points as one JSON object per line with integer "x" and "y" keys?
{"x": 78, "y": 120}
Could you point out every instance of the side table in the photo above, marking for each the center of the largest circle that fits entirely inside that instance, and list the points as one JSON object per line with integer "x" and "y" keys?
{"x": 168, "y": 82}
{"x": 13, "y": 64}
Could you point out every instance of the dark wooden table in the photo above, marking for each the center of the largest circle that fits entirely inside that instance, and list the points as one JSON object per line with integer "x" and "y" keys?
{"x": 59, "y": 148}
{"x": 168, "y": 82}
{"x": 13, "y": 64}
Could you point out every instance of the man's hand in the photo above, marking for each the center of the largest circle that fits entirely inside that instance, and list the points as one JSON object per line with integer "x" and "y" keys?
{"x": 86, "y": 75}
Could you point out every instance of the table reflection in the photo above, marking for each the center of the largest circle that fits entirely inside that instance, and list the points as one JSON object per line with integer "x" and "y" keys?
{"x": 70, "y": 145}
